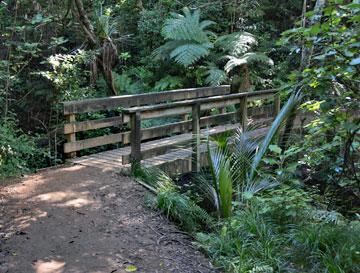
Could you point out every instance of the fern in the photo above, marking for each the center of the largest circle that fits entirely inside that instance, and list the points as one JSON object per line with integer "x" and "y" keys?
{"x": 236, "y": 44}
{"x": 247, "y": 58}
{"x": 215, "y": 76}
{"x": 169, "y": 82}
{"x": 187, "y": 27}
{"x": 190, "y": 53}
{"x": 188, "y": 39}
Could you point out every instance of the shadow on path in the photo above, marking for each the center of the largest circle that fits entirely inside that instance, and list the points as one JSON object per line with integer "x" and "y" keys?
{"x": 80, "y": 219}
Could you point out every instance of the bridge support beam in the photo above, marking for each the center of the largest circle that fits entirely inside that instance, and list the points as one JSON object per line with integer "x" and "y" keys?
{"x": 277, "y": 105}
{"x": 195, "y": 162}
{"x": 135, "y": 123}
{"x": 242, "y": 113}
{"x": 71, "y": 118}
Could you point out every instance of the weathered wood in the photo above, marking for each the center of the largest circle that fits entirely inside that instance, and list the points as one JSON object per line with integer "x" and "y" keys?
{"x": 74, "y": 127}
{"x": 195, "y": 166}
{"x": 70, "y": 137}
{"x": 242, "y": 113}
{"x": 92, "y": 142}
{"x": 211, "y": 101}
{"x": 109, "y": 103}
{"x": 277, "y": 105}
{"x": 135, "y": 123}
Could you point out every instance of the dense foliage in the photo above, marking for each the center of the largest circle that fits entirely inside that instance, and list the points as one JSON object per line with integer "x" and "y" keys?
{"x": 53, "y": 51}
{"x": 289, "y": 202}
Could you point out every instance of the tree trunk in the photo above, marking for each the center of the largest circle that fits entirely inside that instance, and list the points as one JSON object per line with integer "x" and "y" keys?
{"x": 305, "y": 62}
{"x": 109, "y": 55}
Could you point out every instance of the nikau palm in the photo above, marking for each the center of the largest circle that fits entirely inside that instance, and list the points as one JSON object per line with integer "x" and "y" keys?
{"x": 234, "y": 169}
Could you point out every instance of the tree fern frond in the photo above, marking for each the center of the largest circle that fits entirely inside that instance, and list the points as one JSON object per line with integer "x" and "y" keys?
{"x": 206, "y": 23}
{"x": 215, "y": 76}
{"x": 187, "y": 27}
{"x": 188, "y": 54}
{"x": 248, "y": 58}
{"x": 237, "y": 43}
{"x": 163, "y": 52}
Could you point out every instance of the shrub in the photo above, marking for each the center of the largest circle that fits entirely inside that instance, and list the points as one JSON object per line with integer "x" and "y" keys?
{"x": 17, "y": 150}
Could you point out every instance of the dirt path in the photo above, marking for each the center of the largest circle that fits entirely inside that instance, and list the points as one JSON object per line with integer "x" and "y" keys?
{"x": 82, "y": 220}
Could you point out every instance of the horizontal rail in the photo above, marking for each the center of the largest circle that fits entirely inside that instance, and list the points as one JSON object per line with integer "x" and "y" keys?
{"x": 92, "y": 142}
{"x": 109, "y": 103}
{"x": 208, "y": 101}
{"x": 75, "y": 127}
{"x": 231, "y": 98}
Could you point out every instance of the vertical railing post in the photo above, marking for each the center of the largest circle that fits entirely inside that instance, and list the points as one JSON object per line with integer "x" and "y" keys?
{"x": 135, "y": 141}
{"x": 70, "y": 137}
{"x": 277, "y": 105}
{"x": 242, "y": 113}
{"x": 195, "y": 163}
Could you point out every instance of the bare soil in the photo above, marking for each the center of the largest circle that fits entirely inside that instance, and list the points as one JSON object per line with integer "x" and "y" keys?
{"x": 80, "y": 219}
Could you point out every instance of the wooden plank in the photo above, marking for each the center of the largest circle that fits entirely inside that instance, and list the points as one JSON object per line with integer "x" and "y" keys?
{"x": 71, "y": 137}
{"x": 108, "y": 103}
{"x": 74, "y": 127}
{"x": 149, "y": 133}
{"x": 92, "y": 142}
{"x": 135, "y": 121}
{"x": 154, "y": 147}
{"x": 210, "y": 101}
{"x": 185, "y": 126}
{"x": 243, "y": 113}
{"x": 195, "y": 166}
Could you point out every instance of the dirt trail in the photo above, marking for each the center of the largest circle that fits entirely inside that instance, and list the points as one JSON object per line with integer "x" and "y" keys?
{"x": 82, "y": 220}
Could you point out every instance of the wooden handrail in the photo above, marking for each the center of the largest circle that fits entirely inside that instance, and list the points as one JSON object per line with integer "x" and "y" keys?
{"x": 110, "y": 103}
{"x": 200, "y": 101}
{"x": 163, "y": 104}
{"x": 135, "y": 114}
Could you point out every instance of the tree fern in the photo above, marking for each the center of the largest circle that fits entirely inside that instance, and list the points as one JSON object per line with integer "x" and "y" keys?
{"x": 187, "y": 27}
{"x": 215, "y": 76}
{"x": 188, "y": 39}
{"x": 248, "y": 58}
{"x": 190, "y": 53}
{"x": 236, "y": 44}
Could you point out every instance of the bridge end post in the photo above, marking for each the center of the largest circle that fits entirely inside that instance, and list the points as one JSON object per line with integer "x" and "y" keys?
{"x": 242, "y": 113}
{"x": 135, "y": 139}
{"x": 195, "y": 162}
{"x": 277, "y": 104}
{"x": 70, "y": 137}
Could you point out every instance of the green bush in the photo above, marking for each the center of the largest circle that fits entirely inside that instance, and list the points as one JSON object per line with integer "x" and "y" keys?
{"x": 17, "y": 150}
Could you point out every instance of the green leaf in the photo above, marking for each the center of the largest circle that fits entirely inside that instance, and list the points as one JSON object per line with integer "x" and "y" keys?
{"x": 130, "y": 268}
{"x": 275, "y": 149}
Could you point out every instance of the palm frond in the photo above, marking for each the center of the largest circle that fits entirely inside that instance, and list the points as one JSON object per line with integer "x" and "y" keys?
{"x": 292, "y": 102}
{"x": 243, "y": 152}
{"x": 222, "y": 179}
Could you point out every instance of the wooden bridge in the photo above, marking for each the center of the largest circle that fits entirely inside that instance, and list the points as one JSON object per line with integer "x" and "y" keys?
{"x": 176, "y": 145}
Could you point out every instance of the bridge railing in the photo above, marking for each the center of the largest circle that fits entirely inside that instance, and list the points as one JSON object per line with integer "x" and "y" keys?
{"x": 194, "y": 106}
{"x": 131, "y": 110}
{"x": 74, "y": 108}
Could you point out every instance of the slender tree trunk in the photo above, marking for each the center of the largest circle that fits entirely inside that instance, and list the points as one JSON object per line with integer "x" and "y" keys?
{"x": 305, "y": 62}
{"x": 108, "y": 55}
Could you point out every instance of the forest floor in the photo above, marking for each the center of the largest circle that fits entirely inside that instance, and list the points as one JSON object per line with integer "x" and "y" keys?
{"x": 80, "y": 219}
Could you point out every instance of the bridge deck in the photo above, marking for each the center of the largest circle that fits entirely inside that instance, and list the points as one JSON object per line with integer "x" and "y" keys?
{"x": 177, "y": 149}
